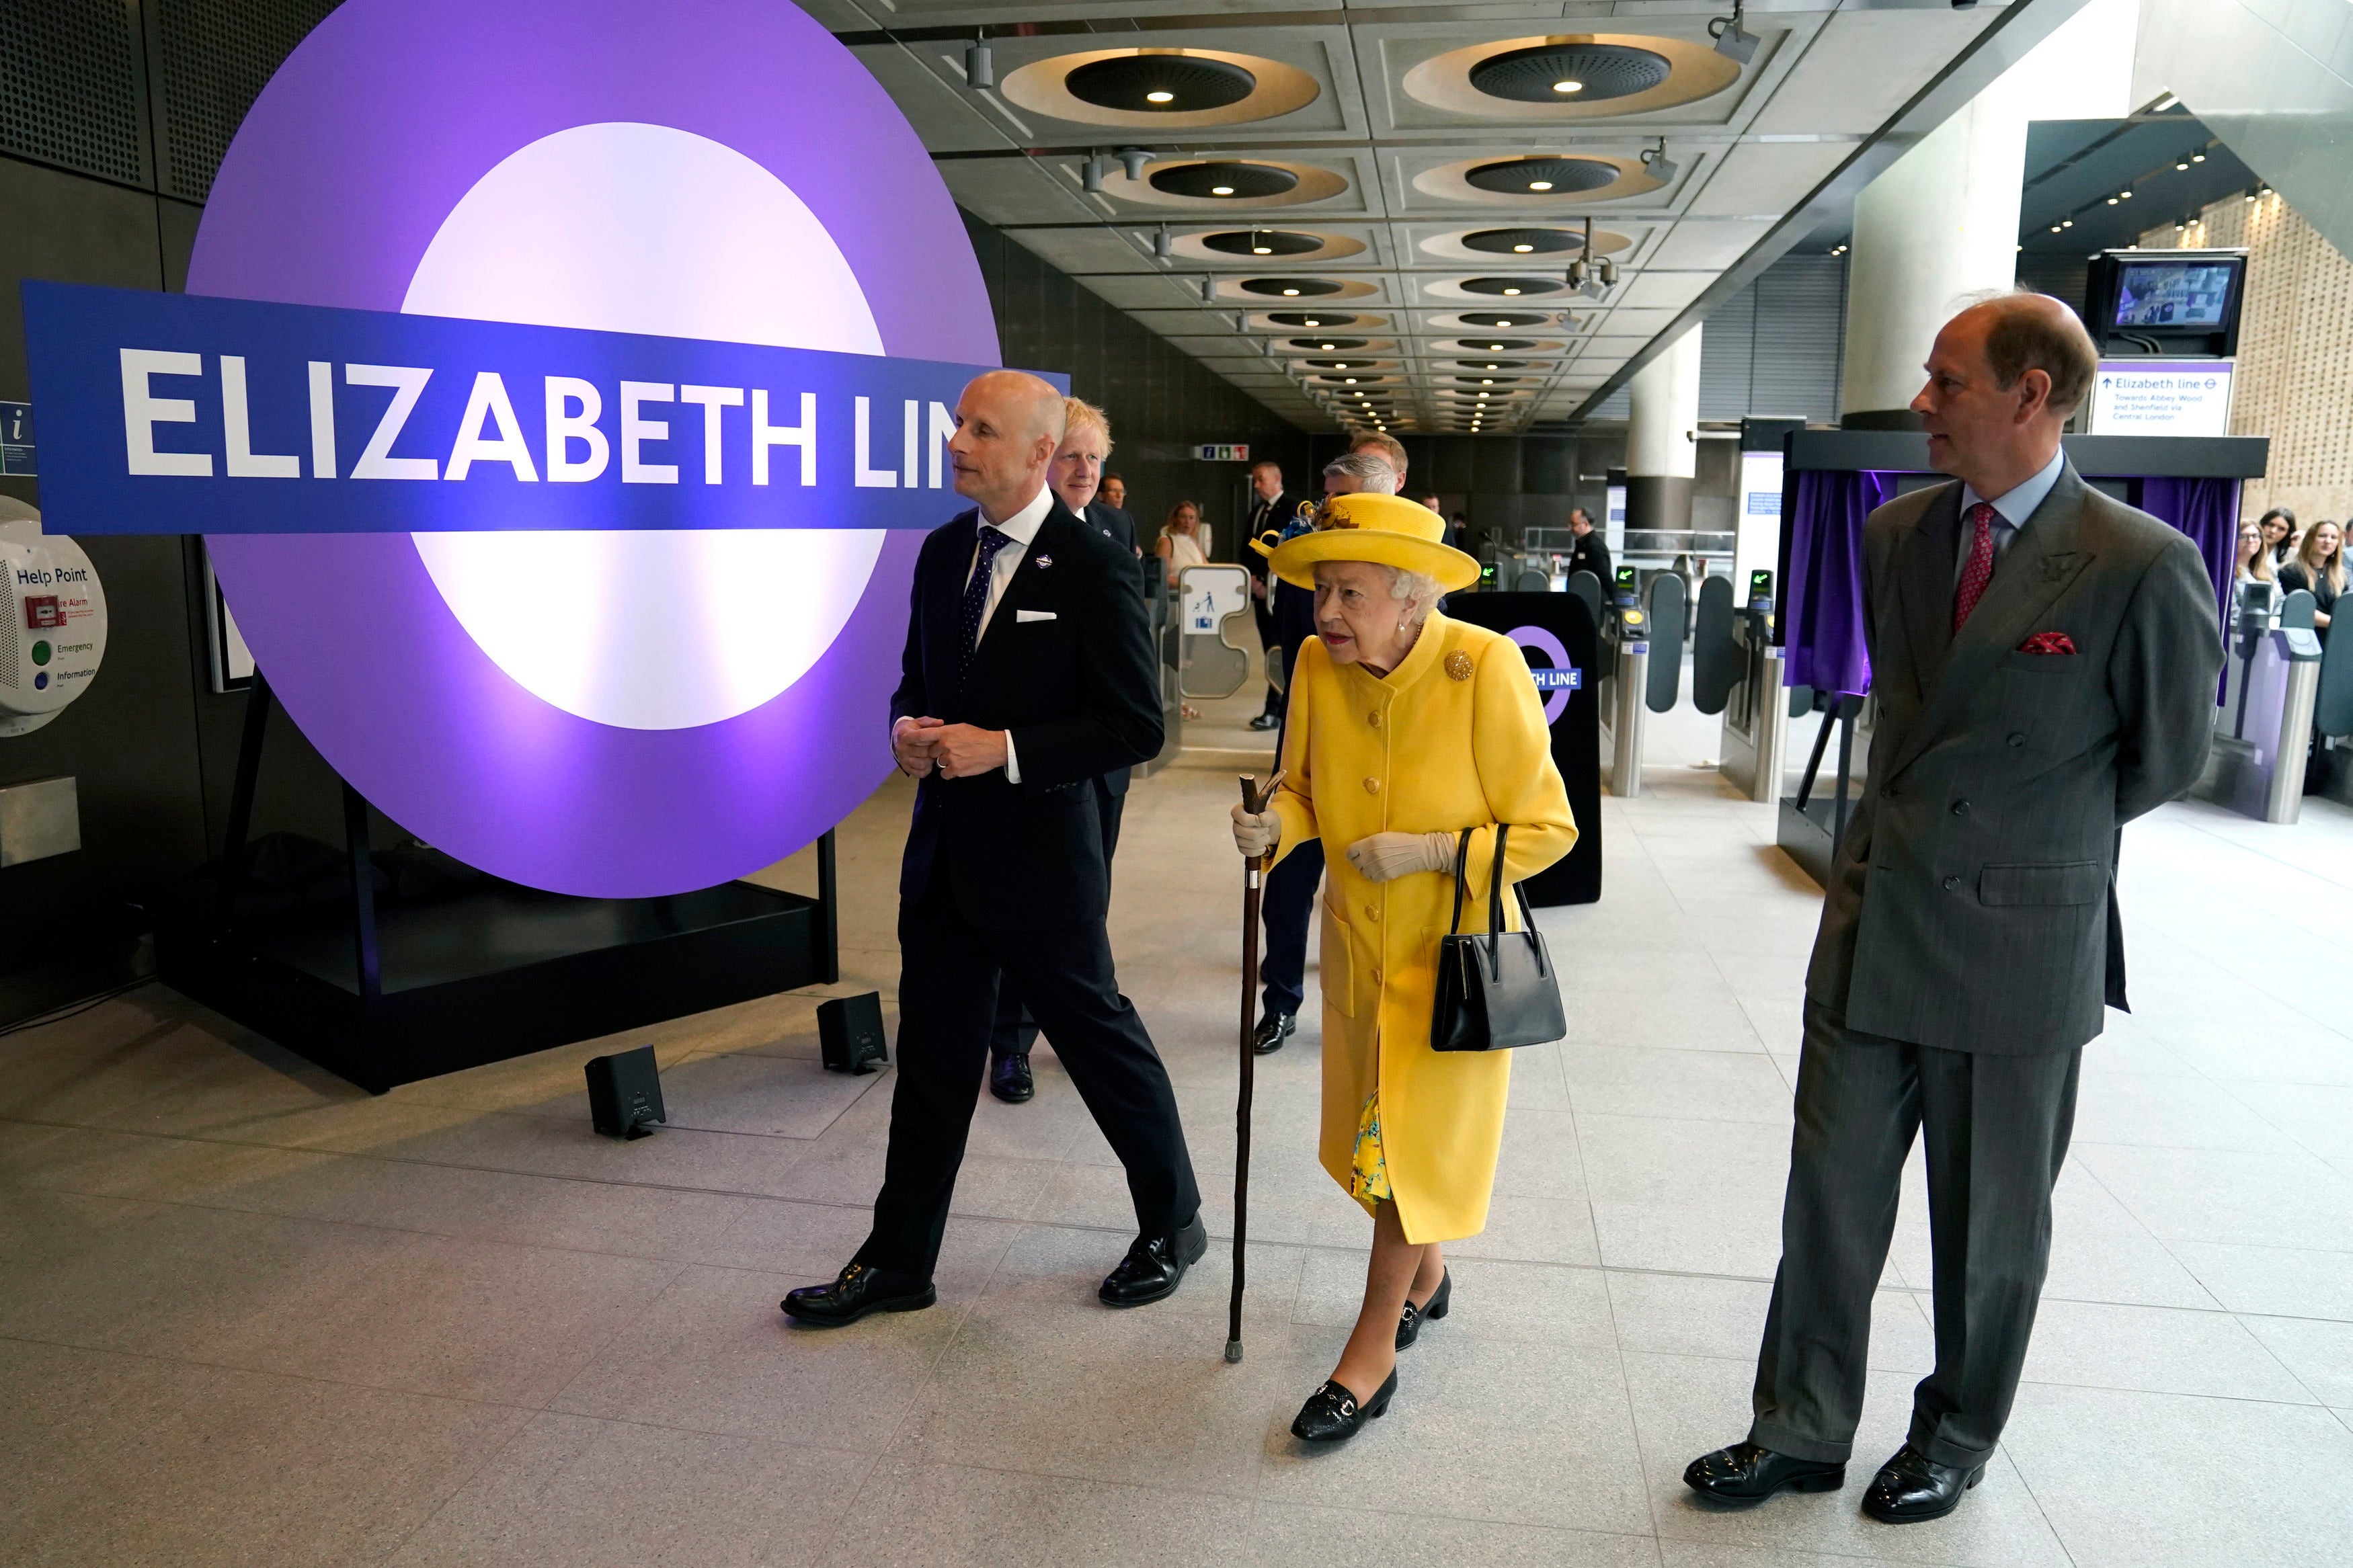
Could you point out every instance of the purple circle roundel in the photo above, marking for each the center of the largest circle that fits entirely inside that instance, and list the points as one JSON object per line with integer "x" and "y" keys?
{"x": 611, "y": 715}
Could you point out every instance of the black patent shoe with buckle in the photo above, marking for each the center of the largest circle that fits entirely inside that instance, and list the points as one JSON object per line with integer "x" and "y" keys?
{"x": 1747, "y": 1473}
{"x": 1155, "y": 1266}
{"x": 855, "y": 1291}
{"x": 1272, "y": 1030}
{"x": 1332, "y": 1414}
{"x": 1429, "y": 1312}
{"x": 1912, "y": 1487}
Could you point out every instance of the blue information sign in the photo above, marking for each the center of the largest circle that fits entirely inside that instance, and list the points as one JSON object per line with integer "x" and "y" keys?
{"x": 182, "y": 413}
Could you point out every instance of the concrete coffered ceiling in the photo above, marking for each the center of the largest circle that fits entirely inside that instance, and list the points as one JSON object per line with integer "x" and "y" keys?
{"x": 1416, "y": 179}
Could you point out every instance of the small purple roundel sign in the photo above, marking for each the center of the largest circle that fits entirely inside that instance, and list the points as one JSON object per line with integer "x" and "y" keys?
{"x": 605, "y": 706}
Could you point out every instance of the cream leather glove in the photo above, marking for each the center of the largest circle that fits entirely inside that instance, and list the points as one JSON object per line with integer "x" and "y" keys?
{"x": 1256, "y": 832}
{"x": 1384, "y": 856}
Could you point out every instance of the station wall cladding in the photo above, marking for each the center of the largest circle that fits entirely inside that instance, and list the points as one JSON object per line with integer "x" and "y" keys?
{"x": 114, "y": 115}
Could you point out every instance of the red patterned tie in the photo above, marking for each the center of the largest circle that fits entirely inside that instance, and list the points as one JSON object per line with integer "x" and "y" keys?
{"x": 1979, "y": 570}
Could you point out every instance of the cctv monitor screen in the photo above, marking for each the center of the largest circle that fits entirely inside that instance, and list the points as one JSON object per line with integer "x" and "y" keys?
{"x": 2171, "y": 294}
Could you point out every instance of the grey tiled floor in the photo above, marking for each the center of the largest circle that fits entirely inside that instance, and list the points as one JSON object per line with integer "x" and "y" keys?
{"x": 248, "y": 1316}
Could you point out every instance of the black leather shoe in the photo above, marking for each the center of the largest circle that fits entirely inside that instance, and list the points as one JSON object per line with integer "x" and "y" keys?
{"x": 855, "y": 1291}
{"x": 1272, "y": 1030}
{"x": 1266, "y": 721}
{"x": 1409, "y": 1322}
{"x": 1332, "y": 1413}
{"x": 1746, "y": 1474}
{"x": 1155, "y": 1266}
{"x": 1010, "y": 1079}
{"x": 1912, "y": 1487}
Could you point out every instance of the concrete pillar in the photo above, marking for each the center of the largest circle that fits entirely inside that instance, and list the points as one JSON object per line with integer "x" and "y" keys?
{"x": 1942, "y": 222}
{"x": 1662, "y": 438}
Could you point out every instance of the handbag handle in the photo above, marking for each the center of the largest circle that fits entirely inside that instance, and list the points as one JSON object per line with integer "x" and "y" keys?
{"x": 1494, "y": 898}
{"x": 1461, "y": 862}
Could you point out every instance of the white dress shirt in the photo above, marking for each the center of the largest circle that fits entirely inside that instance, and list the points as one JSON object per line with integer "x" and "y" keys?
{"x": 2010, "y": 511}
{"x": 1021, "y": 528}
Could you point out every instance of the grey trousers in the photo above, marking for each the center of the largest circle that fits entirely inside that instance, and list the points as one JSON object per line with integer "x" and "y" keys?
{"x": 1996, "y": 1131}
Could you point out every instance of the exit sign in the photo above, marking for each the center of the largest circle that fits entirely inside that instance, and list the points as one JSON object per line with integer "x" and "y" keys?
{"x": 1216, "y": 452}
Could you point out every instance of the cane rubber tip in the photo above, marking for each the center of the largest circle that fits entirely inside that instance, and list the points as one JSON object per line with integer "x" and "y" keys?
{"x": 1233, "y": 1350}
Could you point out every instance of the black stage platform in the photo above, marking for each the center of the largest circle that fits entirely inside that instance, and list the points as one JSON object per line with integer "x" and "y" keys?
{"x": 492, "y": 973}
{"x": 387, "y": 971}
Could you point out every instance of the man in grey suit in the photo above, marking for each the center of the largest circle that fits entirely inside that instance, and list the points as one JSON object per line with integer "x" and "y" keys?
{"x": 2044, "y": 660}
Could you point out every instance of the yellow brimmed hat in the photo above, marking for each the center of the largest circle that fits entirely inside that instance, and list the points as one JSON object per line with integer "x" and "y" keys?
{"x": 1388, "y": 530}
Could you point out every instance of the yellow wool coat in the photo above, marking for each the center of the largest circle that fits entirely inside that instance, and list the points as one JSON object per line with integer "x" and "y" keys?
{"x": 1454, "y": 738}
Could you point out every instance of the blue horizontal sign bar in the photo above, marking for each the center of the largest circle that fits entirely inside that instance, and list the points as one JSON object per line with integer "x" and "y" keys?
{"x": 1552, "y": 679}
{"x": 181, "y": 414}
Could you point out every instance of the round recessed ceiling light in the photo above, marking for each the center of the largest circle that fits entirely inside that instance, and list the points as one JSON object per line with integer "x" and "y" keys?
{"x": 1160, "y": 83}
{"x": 1505, "y": 318}
{"x": 1262, "y": 242}
{"x": 1548, "y": 72}
{"x": 1289, "y": 287}
{"x": 1317, "y": 319}
{"x": 1510, "y": 286}
{"x": 1524, "y": 241}
{"x": 1225, "y": 178}
{"x": 1512, "y": 176}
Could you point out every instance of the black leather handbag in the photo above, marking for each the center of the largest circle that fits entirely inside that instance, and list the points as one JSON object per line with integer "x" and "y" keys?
{"x": 1498, "y": 990}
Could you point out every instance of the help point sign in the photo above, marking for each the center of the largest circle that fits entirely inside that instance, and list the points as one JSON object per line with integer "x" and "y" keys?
{"x": 562, "y": 388}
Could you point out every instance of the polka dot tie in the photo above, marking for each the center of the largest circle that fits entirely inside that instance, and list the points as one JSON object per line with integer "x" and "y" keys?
{"x": 975, "y": 591}
{"x": 1978, "y": 572}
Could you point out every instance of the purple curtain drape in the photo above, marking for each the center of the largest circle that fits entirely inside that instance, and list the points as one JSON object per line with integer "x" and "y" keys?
{"x": 1824, "y": 635}
{"x": 2208, "y": 512}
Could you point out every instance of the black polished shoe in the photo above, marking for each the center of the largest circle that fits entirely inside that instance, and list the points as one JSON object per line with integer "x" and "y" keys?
{"x": 855, "y": 1291}
{"x": 1266, "y": 721}
{"x": 1409, "y": 1322}
{"x": 1010, "y": 1079}
{"x": 1912, "y": 1487}
{"x": 1332, "y": 1413}
{"x": 1272, "y": 1030}
{"x": 1746, "y": 1474}
{"x": 1155, "y": 1266}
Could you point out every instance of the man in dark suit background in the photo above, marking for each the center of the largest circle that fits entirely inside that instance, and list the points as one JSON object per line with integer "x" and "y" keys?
{"x": 2043, "y": 661}
{"x": 1271, "y": 507}
{"x": 1075, "y": 477}
{"x": 1591, "y": 551}
{"x": 1290, "y": 897}
{"x": 1029, "y": 674}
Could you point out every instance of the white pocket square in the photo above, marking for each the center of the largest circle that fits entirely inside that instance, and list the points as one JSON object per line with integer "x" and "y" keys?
{"x": 1023, "y": 618}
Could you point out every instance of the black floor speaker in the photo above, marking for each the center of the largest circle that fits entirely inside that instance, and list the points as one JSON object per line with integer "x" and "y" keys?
{"x": 850, "y": 1030}
{"x": 625, "y": 1093}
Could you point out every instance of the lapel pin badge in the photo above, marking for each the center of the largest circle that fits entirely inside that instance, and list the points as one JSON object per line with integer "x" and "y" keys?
{"x": 1044, "y": 561}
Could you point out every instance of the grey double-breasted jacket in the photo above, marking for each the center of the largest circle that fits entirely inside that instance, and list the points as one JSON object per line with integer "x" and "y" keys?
{"x": 1971, "y": 902}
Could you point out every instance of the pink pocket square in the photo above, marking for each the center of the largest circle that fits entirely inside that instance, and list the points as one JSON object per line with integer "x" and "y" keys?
{"x": 2048, "y": 642}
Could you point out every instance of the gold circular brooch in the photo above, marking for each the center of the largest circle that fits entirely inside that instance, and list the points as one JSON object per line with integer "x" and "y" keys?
{"x": 1457, "y": 665}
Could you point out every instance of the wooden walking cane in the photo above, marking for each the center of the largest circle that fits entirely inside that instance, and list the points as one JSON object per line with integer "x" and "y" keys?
{"x": 1255, "y": 868}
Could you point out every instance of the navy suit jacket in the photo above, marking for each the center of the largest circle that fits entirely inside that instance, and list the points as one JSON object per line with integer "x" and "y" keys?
{"x": 1076, "y": 684}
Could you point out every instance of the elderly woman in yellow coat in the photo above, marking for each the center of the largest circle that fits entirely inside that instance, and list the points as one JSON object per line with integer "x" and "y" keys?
{"x": 1405, "y": 728}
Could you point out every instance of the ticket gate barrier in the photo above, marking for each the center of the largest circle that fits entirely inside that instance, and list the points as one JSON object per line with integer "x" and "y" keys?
{"x": 1625, "y": 678}
{"x": 1643, "y": 655}
{"x": 2264, "y": 728}
{"x": 1588, "y": 587}
{"x": 1737, "y": 671}
{"x": 1213, "y": 603}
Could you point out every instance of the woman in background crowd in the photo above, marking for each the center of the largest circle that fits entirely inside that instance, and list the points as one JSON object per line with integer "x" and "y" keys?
{"x": 1180, "y": 540}
{"x": 2254, "y": 564}
{"x": 2279, "y": 534}
{"x": 2320, "y": 570}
